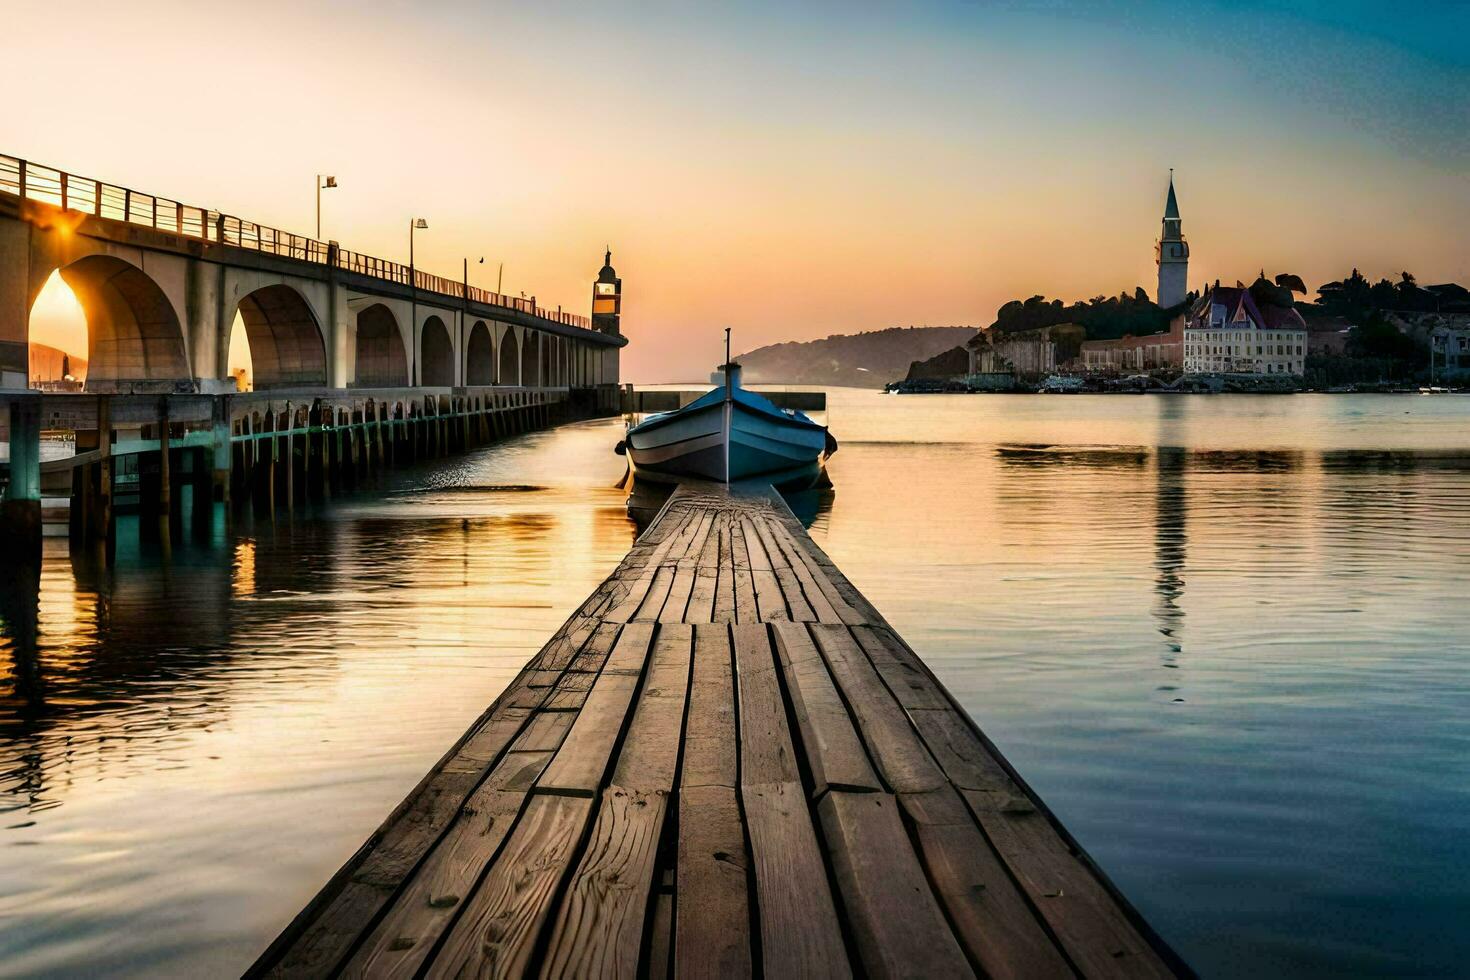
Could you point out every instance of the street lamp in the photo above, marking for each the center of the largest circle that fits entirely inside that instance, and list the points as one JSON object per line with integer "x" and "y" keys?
{"x": 417, "y": 224}
{"x": 331, "y": 182}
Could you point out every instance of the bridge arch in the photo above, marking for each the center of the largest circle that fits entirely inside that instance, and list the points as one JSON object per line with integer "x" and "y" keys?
{"x": 436, "y": 355}
{"x": 133, "y": 331}
{"x": 286, "y": 343}
{"x": 510, "y": 359}
{"x": 381, "y": 361}
{"x": 479, "y": 364}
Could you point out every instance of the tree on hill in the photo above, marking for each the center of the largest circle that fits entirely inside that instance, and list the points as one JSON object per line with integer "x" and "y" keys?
{"x": 1103, "y": 317}
{"x": 1356, "y": 298}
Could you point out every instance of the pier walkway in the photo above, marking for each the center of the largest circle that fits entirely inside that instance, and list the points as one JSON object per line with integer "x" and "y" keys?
{"x": 725, "y": 763}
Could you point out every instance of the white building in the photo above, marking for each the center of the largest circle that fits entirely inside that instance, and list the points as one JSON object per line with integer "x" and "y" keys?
{"x": 1227, "y": 333}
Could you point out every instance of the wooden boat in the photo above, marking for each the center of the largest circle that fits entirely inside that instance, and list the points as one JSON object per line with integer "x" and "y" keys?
{"x": 727, "y": 435}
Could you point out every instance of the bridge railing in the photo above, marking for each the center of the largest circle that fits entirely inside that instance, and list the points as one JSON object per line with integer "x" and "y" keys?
{"x": 71, "y": 192}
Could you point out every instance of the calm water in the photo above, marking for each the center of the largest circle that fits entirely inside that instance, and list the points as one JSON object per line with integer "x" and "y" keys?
{"x": 1225, "y": 638}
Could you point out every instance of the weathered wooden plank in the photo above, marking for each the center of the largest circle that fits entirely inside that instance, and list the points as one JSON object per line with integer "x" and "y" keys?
{"x": 797, "y": 607}
{"x": 709, "y": 738}
{"x": 770, "y": 602}
{"x": 900, "y": 755}
{"x": 632, "y": 589}
{"x": 594, "y": 652}
{"x": 584, "y": 758}
{"x": 599, "y": 926}
{"x": 658, "y": 594}
{"x": 400, "y": 943}
{"x": 496, "y": 934}
{"x": 712, "y": 927}
{"x": 701, "y": 607}
{"x": 911, "y": 684}
{"x": 570, "y": 691}
{"x": 695, "y": 546}
{"x": 687, "y": 572}
{"x": 834, "y": 751}
{"x": 821, "y": 605}
{"x": 565, "y": 645}
{"x": 544, "y": 732}
{"x": 746, "y": 609}
{"x": 815, "y": 578}
{"x": 766, "y": 753}
{"x": 897, "y": 926}
{"x": 992, "y": 918}
{"x": 680, "y": 590}
{"x": 800, "y": 935}
{"x": 724, "y": 610}
{"x": 1087, "y": 920}
{"x": 661, "y": 936}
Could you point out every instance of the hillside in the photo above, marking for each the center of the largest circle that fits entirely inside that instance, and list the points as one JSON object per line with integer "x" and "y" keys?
{"x": 862, "y": 360}
{"x": 946, "y": 364}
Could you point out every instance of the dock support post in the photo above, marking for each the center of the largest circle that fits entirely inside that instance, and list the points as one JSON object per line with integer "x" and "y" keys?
{"x": 101, "y": 519}
{"x": 263, "y": 493}
{"x": 290, "y": 457}
{"x": 20, "y": 510}
{"x": 221, "y": 458}
{"x": 165, "y": 476}
{"x": 378, "y": 434}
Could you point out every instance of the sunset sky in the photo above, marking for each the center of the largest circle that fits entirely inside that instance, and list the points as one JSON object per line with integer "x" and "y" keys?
{"x": 788, "y": 172}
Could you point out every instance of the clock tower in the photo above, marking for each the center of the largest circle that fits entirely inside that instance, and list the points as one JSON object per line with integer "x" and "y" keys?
{"x": 607, "y": 299}
{"x": 1172, "y": 255}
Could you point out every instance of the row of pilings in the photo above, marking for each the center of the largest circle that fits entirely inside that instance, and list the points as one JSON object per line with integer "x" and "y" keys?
{"x": 168, "y": 456}
{"x": 294, "y": 453}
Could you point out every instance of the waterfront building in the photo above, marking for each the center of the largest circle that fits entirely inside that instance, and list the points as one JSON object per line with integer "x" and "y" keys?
{"x": 1172, "y": 254}
{"x": 1128, "y": 353}
{"x": 1227, "y": 332}
{"x": 1449, "y": 352}
{"x": 1328, "y": 336}
{"x": 1021, "y": 353}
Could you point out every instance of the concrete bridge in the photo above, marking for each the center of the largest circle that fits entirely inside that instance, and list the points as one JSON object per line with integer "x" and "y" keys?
{"x": 161, "y": 283}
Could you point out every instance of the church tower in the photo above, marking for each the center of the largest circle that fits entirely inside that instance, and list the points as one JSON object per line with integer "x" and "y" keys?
{"x": 607, "y": 299}
{"x": 1172, "y": 255}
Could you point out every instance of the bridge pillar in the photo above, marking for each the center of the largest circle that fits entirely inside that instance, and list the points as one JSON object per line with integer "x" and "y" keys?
{"x": 20, "y": 508}
{"x": 165, "y": 474}
{"x": 15, "y": 303}
{"x": 94, "y": 523}
{"x": 221, "y": 459}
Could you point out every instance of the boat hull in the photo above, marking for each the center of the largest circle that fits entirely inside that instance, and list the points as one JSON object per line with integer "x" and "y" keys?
{"x": 726, "y": 442}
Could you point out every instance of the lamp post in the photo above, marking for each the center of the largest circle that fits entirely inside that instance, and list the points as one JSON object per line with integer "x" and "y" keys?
{"x": 331, "y": 183}
{"x": 416, "y": 224}
{"x": 464, "y": 311}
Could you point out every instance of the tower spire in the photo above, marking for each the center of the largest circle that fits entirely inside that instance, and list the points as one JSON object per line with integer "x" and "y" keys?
{"x": 1172, "y": 253}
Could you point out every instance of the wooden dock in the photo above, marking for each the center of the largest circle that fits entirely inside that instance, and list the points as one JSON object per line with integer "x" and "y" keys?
{"x": 725, "y": 763}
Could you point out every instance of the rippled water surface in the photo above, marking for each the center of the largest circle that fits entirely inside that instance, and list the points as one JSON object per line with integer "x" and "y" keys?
{"x": 1224, "y": 637}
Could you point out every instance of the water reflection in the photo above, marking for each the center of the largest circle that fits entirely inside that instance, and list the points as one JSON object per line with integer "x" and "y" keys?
{"x": 1221, "y": 636}
{"x": 192, "y": 741}
{"x": 1171, "y": 536}
{"x": 193, "y": 736}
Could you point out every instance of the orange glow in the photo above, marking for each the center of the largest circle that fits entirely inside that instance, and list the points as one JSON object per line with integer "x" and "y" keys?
{"x": 769, "y": 173}
{"x": 57, "y": 322}
{"x": 241, "y": 367}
